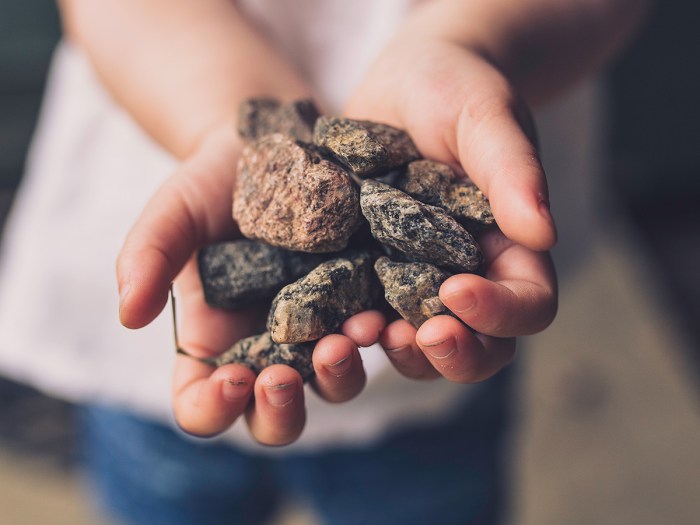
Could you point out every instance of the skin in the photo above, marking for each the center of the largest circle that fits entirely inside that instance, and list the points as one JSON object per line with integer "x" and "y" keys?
{"x": 457, "y": 76}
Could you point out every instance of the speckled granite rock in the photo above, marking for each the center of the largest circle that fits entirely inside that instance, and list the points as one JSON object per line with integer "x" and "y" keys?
{"x": 289, "y": 196}
{"x": 468, "y": 204}
{"x": 258, "y": 117}
{"x": 412, "y": 289}
{"x": 426, "y": 181}
{"x": 366, "y": 148}
{"x": 436, "y": 183}
{"x": 422, "y": 232}
{"x": 260, "y": 351}
{"x": 238, "y": 273}
{"x": 317, "y": 304}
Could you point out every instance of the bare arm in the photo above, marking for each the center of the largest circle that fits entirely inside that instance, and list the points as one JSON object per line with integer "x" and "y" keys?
{"x": 180, "y": 67}
{"x": 541, "y": 46}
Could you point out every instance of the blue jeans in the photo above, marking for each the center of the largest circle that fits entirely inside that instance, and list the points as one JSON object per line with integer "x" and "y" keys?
{"x": 450, "y": 473}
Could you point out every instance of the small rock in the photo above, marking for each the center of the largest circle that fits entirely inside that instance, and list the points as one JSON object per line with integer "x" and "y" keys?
{"x": 238, "y": 273}
{"x": 436, "y": 183}
{"x": 426, "y": 181}
{"x": 258, "y": 117}
{"x": 366, "y": 148}
{"x": 422, "y": 232}
{"x": 412, "y": 289}
{"x": 317, "y": 304}
{"x": 468, "y": 204}
{"x": 260, "y": 351}
{"x": 289, "y": 196}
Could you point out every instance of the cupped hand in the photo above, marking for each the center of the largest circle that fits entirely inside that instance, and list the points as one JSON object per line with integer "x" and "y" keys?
{"x": 193, "y": 209}
{"x": 459, "y": 109}
{"x": 517, "y": 295}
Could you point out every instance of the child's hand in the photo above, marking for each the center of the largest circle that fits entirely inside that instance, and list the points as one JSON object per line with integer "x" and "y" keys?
{"x": 461, "y": 110}
{"x": 192, "y": 209}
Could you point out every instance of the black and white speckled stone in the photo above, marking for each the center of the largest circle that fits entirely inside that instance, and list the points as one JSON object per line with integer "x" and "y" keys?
{"x": 436, "y": 183}
{"x": 240, "y": 273}
{"x": 426, "y": 181}
{"x": 422, "y": 232}
{"x": 317, "y": 304}
{"x": 468, "y": 204}
{"x": 412, "y": 289}
{"x": 260, "y": 351}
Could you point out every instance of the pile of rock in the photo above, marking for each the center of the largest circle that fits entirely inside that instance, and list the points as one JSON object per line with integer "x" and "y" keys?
{"x": 334, "y": 210}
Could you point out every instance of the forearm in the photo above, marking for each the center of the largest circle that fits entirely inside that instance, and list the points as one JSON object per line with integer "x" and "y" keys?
{"x": 542, "y": 46}
{"x": 179, "y": 67}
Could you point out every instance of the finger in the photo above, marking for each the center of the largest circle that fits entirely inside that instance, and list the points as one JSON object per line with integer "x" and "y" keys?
{"x": 399, "y": 343}
{"x": 207, "y": 403}
{"x": 364, "y": 328}
{"x": 460, "y": 355}
{"x": 278, "y": 415}
{"x": 518, "y": 297}
{"x": 188, "y": 210}
{"x": 340, "y": 375}
{"x": 502, "y": 160}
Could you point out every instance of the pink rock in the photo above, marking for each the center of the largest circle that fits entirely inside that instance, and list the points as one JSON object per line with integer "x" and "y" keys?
{"x": 288, "y": 195}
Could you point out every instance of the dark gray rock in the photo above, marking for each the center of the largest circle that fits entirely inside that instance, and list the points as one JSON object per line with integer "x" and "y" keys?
{"x": 289, "y": 196}
{"x": 412, "y": 289}
{"x": 260, "y": 351}
{"x": 240, "y": 273}
{"x": 367, "y": 148}
{"x": 436, "y": 183}
{"x": 317, "y": 304}
{"x": 258, "y": 117}
{"x": 422, "y": 232}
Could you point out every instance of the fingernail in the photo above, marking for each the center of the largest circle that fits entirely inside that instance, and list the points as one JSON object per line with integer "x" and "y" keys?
{"x": 281, "y": 395}
{"x": 340, "y": 368}
{"x": 234, "y": 389}
{"x": 461, "y": 302}
{"x": 441, "y": 349}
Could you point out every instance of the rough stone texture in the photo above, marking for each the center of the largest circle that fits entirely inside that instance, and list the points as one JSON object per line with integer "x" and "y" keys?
{"x": 426, "y": 181}
{"x": 260, "y": 351}
{"x": 412, "y": 289}
{"x": 238, "y": 273}
{"x": 468, "y": 204}
{"x": 367, "y": 148}
{"x": 317, "y": 304}
{"x": 422, "y": 232}
{"x": 258, "y": 117}
{"x": 436, "y": 183}
{"x": 289, "y": 196}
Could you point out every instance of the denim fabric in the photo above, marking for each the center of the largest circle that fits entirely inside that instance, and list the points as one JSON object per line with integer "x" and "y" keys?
{"x": 452, "y": 473}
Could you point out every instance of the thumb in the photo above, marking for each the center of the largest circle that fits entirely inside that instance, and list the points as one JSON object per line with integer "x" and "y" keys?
{"x": 190, "y": 209}
{"x": 483, "y": 126}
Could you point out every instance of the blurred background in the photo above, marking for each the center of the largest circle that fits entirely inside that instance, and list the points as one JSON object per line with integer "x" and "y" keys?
{"x": 608, "y": 422}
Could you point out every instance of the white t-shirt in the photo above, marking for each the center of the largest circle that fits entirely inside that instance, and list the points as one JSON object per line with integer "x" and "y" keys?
{"x": 90, "y": 172}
